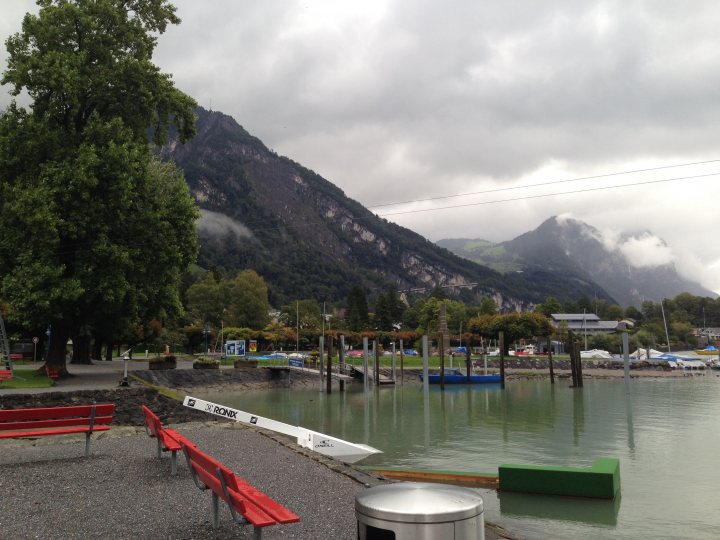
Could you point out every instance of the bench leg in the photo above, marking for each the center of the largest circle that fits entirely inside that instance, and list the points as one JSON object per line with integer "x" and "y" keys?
{"x": 159, "y": 448}
{"x": 216, "y": 510}
{"x": 87, "y": 444}
{"x": 257, "y": 533}
{"x": 173, "y": 461}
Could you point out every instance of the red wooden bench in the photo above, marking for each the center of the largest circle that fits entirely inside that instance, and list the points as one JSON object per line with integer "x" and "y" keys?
{"x": 168, "y": 440}
{"x": 246, "y": 504}
{"x": 52, "y": 373}
{"x": 41, "y": 422}
{"x": 5, "y": 374}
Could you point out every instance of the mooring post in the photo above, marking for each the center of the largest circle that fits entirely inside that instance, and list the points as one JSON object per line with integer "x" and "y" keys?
{"x": 393, "y": 361}
{"x": 550, "y": 359}
{"x": 468, "y": 361}
{"x": 320, "y": 360}
{"x": 365, "y": 364}
{"x": 376, "y": 365}
{"x": 441, "y": 350}
{"x": 626, "y": 361}
{"x": 329, "y": 365}
{"x": 341, "y": 363}
{"x": 402, "y": 367}
{"x": 426, "y": 382}
{"x": 573, "y": 367}
{"x": 578, "y": 357}
{"x": 501, "y": 339}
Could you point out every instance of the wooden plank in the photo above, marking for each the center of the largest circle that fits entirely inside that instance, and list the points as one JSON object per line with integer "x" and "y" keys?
{"x": 444, "y": 477}
{"x": 44, "y": 432}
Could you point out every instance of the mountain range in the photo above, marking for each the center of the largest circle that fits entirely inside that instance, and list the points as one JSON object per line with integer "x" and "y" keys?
{"x": 307, "y": 239}
{"x": 572, "y": 247}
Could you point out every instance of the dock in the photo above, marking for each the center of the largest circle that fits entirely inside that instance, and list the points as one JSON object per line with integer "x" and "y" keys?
{"x": 359, "y": 371}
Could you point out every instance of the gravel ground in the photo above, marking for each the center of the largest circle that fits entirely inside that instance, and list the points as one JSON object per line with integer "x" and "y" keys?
{"x": 51, "y": 491}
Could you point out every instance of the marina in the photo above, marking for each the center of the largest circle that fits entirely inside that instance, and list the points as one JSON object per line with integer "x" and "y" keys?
{"x": 663, "y": 431}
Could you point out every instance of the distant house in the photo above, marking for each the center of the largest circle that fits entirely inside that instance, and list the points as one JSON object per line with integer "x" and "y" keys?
{"x": 586, "y": 323}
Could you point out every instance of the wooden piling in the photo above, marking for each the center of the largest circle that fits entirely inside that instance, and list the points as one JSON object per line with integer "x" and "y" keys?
{"x": 573, "y": 365}
{"x": 501, "y": 339}
{"x": 550, "y": 359}
{"x": 329, "y": 365}
{"x": 376, "y": 364}
{"x": 402, "y": 360}
{"x": 578, "y": 369}
{"x": 441, "y": 350}
{"x": 468, "y": 362}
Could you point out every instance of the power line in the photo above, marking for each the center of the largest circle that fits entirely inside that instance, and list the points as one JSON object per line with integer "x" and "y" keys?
{"x": 496, "y": 190}
{"x": 498, "y": 201}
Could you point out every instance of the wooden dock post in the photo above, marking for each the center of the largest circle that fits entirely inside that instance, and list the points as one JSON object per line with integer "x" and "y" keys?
{"x": 468, "y": 362}
{"x": 501, "y": 339}
{"x": 550, "y": 359}
{"x": 341, "y": 362}
{"x": 365, "y": 364}
{"x": 402, "y": 360}
{"x": 573, "y": 366}
{"x": 441, "y": 350}
{"x": 329, "y": 365}
{"x": 376, "y": 364}
{"x": 578, "y": 359}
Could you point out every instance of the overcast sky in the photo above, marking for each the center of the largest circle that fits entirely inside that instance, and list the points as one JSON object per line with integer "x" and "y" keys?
{"x": 401, "y": 100}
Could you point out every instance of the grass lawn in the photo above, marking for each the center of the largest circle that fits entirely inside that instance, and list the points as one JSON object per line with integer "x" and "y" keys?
{"x": 27, "y": 378}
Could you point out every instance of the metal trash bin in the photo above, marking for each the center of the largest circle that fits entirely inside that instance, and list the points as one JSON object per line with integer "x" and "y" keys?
{"x": 419, "y": 511}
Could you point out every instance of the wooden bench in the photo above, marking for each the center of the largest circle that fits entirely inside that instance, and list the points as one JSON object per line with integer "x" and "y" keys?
{"x": 168, "y": 440}
{"x": 5, "y": 374}
{"x": 246, "y": 504}
{"x": 53, "y": 374}
{"x": 41, "y": 422}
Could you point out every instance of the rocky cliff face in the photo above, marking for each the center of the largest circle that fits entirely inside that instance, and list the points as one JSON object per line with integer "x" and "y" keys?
{"x": 578, "y": 251}
{"x": 305, "y": 237}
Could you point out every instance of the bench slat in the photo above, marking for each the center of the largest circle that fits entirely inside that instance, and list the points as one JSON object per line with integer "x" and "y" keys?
{"x": 270, "y": 506}
{"x": 101, "y": 410}
{"x": 5, "y": 374}
{"x": 254, "y": 505}
{"x": 42, "y": 433}
{"x": 60, "y": 422}
{"x": 241, "y": 504}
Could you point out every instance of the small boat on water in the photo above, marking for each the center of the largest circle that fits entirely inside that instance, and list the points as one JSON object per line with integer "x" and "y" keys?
{"x": 710, "y": 349}
{"x": 456, "y": 376}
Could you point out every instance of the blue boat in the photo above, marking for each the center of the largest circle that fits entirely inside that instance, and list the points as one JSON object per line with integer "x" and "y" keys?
{"x": 456, "y": 376}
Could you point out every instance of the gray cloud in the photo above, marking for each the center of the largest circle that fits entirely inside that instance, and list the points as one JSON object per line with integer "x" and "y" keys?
{"x": 405, "y": 99}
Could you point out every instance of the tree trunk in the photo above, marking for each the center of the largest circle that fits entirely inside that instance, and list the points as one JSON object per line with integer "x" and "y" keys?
{"x": 56, "y": 354}
{"x": 109, "y": 351}
{"x": 96, "y": 349}
{"x": 81, "y": 350}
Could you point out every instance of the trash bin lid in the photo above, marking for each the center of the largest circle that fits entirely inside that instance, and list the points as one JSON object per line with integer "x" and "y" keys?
{"x": 419, "y": 502}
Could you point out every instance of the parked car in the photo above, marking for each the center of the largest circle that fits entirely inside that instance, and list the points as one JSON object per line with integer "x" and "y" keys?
{"x": 298, "y": 356}
{"x": 354, "y": 354}
{"x": 277, "y": 355}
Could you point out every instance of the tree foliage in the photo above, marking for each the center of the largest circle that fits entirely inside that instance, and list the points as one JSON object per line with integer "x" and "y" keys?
{"x": 95, "y": 231}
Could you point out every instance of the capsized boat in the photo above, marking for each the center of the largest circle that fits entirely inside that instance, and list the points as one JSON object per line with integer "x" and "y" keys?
{"x": 456, "y": 376}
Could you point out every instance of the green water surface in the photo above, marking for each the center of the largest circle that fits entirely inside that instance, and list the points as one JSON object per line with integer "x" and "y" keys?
{"x": 664, "y": 431}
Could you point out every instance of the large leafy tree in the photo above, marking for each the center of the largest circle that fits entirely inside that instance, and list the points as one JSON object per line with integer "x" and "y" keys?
{"x": 513, "y": 325}
{"x": 95, "y": 232}
{"x": 241, "y": 301}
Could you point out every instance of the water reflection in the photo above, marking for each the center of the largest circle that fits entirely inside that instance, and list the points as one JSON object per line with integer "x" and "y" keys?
{"x": 664, "y": 433}
{"x": 593, "y": 511}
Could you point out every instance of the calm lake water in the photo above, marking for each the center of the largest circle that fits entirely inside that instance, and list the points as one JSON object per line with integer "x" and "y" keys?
{"x": 664, "y": 431}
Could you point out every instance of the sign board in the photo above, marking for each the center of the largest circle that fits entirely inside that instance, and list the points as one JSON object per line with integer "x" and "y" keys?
{"x": 296, "y": 363}
{"x": 36, "y": 339}
{"x": 253, "y": 345}
{"x": 235, "y": 347}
